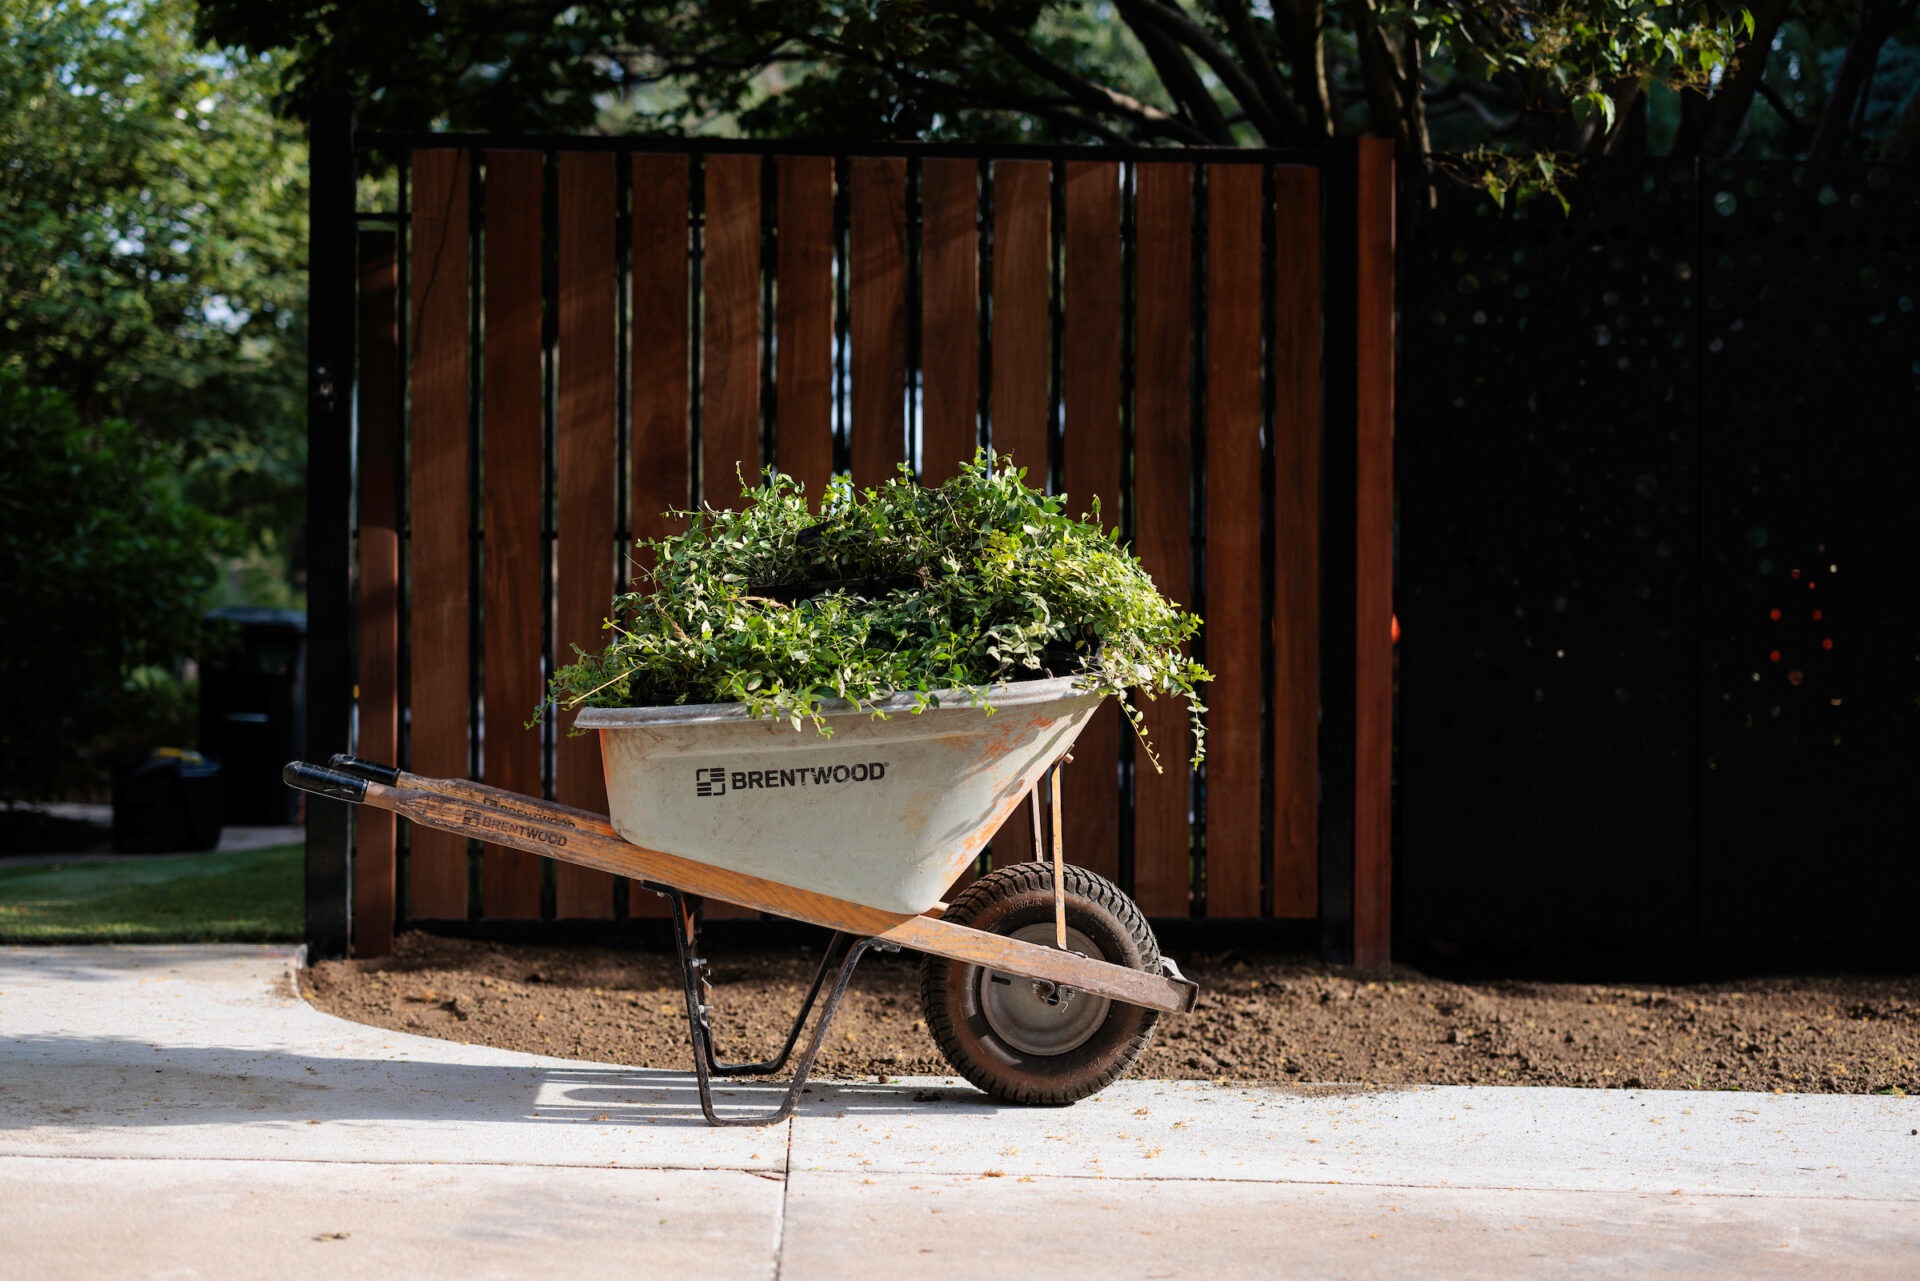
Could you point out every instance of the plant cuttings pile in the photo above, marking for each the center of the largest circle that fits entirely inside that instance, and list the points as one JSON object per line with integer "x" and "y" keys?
{"x": 897, "y": 590}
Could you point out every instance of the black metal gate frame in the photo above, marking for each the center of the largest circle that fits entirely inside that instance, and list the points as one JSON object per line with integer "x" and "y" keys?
{"x": 334, "y": 222}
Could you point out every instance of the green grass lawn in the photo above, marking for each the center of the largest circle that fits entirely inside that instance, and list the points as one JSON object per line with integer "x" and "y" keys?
{"x": 252, "y": 896}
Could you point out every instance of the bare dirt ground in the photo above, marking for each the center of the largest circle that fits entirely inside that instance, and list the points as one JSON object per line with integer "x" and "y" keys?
{"x": 1262, "y": 1017}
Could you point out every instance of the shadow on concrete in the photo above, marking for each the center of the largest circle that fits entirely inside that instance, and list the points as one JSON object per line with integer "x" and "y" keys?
{"x": 108, "y": 1080}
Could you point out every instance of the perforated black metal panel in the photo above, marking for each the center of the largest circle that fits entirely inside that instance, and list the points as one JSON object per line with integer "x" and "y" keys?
{"x": 1810, "y": 696}
{"x": 1621, "y": 432}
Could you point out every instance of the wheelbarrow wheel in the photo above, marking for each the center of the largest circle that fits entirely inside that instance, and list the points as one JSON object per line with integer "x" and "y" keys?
{"x": 1011, "y": 1036}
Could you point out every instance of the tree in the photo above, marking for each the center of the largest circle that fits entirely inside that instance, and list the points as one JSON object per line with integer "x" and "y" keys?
{"x": 152, "y": 229}
{"x": 1499, "y": 91}
{"x": 105, "y": 565}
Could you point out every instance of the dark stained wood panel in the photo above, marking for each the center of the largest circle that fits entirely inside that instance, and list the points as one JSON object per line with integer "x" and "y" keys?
{"x": 1233, "y": 489}
{"x": 1021, "y": 354}
{"x": 949, "y": 316}
{"x": 730, "y": 452}
{"x": 659, "y": 449}
{"x": 440, "y": 517}
{"x": 1021, "y": 361}
{"x": 1091, "y": 470}
{"x": 1373, "y": 554}
{"x": 803, "y": 306}
{"x": 378, "y": 555}
{"x": 877, "y": 315}
{"x": 730, "y": 331}
{"x": 1163, "y": 511}
{"x": 1296, "y": 543}
{"x": 586, "y": 458}
{"x": 513, "y": 460}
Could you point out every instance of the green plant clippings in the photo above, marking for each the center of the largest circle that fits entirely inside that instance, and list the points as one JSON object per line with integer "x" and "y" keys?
{"x": 900, "y": 589}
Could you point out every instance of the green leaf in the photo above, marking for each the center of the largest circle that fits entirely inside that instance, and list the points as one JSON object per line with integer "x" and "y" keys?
{"x": 978, "y": 582}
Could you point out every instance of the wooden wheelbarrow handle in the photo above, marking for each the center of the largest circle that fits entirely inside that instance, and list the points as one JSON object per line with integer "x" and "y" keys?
{"x": 577, "y": 836}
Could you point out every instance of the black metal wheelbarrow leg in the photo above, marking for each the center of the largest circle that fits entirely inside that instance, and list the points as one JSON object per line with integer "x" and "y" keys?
{"x": 845, "y": 950}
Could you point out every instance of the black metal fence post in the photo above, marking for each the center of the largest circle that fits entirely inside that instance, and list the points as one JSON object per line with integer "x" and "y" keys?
{"x": 330, "y": 346}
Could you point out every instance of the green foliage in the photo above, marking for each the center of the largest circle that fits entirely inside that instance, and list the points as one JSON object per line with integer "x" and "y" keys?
{"x": 248, "y": 896}
{"x": 152, "y": 245}
{"x": 1578, "y": 46}
{"x": 105, "y": 567}
{"x": 1509, "y": 76}
{"x": 980, "y": 581}
{"x": 1476, "y": 89}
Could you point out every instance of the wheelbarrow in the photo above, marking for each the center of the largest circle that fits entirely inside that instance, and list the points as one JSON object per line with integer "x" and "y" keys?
{"x": 1042, "y": 982}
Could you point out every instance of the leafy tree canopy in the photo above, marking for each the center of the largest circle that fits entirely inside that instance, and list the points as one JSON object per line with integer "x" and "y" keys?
{"x": 1503, "y": 91}
{"x": 152, "y": 244}
{"x": 105, "y": 566}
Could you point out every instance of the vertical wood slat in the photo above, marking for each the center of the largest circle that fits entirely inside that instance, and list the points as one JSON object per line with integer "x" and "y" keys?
{"x": 1163, "y": 469}
{"x": 1021, "y": 360}
{"x": 1021, "y": 363}
{"x": 950, "y": 332}
{"x": 1091, "y": 395}
{"x": 660, "y": 451}
{"x": 1373, "y": 554}
{"x": 513, "y": 458}
{"x": 585, "y": 457}
{"x": 949, "y": 316}
{"x": 439, "y": 516}
{"x": 378, "y": 614}
{"x": 730, "y": 341}
{"x": 1233, "y": 481}
{"x": 877, "y": 306}
{"x": 730, "y": 330}
{"x": 660, "y": 442}
{"x": 803, "y": 349}
{"x": 1296, "y": 539}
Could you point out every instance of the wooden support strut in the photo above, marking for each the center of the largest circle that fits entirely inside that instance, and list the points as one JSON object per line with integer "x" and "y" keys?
{"x": 579, "y": 837}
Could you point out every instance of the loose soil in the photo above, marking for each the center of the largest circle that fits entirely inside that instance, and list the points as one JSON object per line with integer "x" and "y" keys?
{"x": 1261, "y": 1018}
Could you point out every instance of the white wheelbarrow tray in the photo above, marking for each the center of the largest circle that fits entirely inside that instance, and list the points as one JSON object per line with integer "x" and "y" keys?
{"x": 885, "y": 813}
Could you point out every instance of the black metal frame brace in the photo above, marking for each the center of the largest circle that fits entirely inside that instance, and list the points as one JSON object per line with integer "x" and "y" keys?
{"x": 845, "y": 950}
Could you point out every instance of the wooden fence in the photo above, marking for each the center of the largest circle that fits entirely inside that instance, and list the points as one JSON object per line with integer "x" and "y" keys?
{"x": 560, "y": 340}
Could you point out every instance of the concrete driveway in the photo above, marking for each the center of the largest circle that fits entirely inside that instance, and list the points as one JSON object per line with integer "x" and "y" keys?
{"x": 179, "y": 1112}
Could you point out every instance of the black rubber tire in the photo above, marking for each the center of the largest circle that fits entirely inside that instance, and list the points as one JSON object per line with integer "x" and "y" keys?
{"x": 1002, "y": 902}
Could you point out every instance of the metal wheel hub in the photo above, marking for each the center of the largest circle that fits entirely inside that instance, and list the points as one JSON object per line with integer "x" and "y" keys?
{"x": 1037, "y": 1018}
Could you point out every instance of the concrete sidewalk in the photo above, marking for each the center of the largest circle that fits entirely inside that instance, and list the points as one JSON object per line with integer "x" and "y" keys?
{"x": 180, "y": 1111}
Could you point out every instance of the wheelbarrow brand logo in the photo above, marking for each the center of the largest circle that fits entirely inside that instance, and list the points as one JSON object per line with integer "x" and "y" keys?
{"x": 716, "y": 781}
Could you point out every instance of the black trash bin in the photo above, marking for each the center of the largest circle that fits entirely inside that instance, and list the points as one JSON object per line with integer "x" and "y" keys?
{"x": 168, "y": 803}
{"x": 253, "y": 708}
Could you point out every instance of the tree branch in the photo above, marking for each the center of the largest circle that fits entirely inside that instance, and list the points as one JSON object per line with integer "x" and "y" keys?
{"x": 1626, "y": 100}
{"x": 1773, "y": 99}
{"x": 1878, "y": 20}
{"x": 1182, "y": 82}
{"x": 1253, "y": 55}
{"x": 1278, "y": 120}
{"x": 1095, "y": 97}
{"x": 1378, "y": 69}
{"x": 1904, "y": 142}
{"x": 968, "y": 96}
{"x": 1719, "y": 122}
{"x": 1302, "y": 24}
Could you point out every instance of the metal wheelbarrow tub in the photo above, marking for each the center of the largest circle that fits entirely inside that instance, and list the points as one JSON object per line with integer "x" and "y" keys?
{"x": 884, "y": 813}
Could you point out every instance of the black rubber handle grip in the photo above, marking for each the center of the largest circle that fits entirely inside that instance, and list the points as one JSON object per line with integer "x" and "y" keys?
{"x": 372, "y": 771}
{"x": 325, "y": 782}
